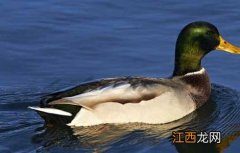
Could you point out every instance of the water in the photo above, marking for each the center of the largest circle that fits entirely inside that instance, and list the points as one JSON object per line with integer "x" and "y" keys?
{"x": 49, "y": 45}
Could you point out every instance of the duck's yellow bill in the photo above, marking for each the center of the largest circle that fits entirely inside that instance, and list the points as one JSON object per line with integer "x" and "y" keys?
{"x": 227, "y": 47}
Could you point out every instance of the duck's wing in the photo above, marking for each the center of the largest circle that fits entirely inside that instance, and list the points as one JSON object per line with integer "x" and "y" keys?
{"x": 119, "y": 90}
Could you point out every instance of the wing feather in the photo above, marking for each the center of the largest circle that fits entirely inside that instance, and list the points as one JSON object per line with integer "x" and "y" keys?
{"x": 123, "y": 93}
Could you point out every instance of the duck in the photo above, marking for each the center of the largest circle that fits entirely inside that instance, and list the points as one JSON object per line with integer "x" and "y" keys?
{"x": 146, "y": 100}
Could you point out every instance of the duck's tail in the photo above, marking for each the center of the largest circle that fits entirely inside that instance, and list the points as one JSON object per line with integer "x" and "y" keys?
{"x": 53, "y": 111}
{"x": 60, "y": 115}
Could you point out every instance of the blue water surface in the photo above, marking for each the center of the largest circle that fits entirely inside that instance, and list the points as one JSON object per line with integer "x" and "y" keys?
{"x": 49, "y": 45}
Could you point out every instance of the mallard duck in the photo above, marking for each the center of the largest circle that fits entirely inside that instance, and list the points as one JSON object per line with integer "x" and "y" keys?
{"x": 141, "y": 99}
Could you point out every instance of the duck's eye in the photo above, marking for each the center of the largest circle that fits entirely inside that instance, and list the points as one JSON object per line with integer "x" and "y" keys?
{"x": 209, "y": 32}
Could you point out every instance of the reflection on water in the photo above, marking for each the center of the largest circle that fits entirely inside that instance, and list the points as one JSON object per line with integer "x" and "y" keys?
{"x": 221, "y": 113}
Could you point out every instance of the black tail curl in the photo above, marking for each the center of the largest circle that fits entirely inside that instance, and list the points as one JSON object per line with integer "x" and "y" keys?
{"x": 52, "y": 119}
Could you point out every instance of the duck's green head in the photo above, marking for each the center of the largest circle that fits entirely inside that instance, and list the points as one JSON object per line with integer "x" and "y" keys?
{"x": 195, "y": 41}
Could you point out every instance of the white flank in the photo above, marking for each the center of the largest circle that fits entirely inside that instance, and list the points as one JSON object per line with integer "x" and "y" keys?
{"x": 165, "y": 108}
{"x": 51, "y": 111}
{"x": 197, "y": 72}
